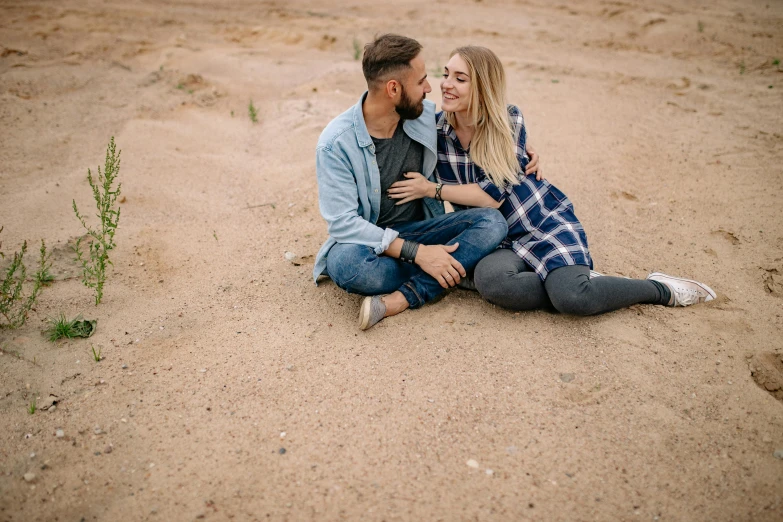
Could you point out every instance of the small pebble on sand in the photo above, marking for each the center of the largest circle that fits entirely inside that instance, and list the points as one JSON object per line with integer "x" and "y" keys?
{"x": 472, "y": 463}
{"x": 59, "y": 434}
{"x": 567, "y": 377}
{"x": 778, "y": 454}
{"x": 29, "y": 477}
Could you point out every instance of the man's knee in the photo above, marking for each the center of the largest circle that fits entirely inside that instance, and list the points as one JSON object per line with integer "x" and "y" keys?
{"x": 357, "y": 269}
{"x": 492, "y": 223}
{"x": 347, "y": 265}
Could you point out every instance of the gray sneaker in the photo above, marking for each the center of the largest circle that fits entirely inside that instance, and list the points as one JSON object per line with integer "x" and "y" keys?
{"x": 371, "y": 312}
{"x": 685, "y": 292}
{"x": 467, "y": 283}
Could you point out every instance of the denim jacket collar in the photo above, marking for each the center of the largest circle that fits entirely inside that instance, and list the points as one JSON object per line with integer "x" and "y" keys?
{"x": 362, "y": 134}
{"x": 420, "y": 129}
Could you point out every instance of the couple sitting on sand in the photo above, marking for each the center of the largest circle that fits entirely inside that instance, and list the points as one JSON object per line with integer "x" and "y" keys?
{"x": 386, "y": 166}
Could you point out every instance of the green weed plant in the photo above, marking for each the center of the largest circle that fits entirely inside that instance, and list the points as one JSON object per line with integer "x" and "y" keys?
{"x": 95, "y": 260}
{"x": 62, "y": 328}
{"x": 252, "y": 112}
{"x": 15, "y": 306}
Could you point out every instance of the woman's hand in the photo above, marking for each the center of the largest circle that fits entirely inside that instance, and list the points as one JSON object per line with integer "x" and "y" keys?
{"x": 415, "y": 187}
{"x": 532, "y": 166}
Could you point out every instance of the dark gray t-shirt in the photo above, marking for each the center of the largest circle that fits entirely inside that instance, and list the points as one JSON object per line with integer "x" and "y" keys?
{"x": 396, "y": 156}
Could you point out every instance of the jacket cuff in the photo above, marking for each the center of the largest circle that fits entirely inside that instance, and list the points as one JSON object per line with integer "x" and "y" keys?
{"x": 389, "y": 235}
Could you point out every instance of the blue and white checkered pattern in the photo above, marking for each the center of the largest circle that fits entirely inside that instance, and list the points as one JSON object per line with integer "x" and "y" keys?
{"x": 542, "y": 227}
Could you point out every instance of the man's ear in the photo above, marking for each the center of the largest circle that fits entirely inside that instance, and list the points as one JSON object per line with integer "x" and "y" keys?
{"x": 393, "y": 88}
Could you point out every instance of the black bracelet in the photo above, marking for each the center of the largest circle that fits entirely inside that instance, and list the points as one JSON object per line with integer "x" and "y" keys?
{"x": 408, "y": 251}
{"x": 414, "y": 252}
{"x": 405, "y": 251}
{"x": 438, "y": 188}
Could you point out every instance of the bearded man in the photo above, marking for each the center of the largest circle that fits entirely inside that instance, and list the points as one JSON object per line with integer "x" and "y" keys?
{"x": 399, "y": 255}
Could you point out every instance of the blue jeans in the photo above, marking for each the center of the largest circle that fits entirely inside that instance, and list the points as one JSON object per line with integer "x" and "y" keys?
{"x": 357, "y": 269}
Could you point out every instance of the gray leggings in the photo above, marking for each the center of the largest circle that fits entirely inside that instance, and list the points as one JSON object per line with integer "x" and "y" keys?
{"x": 502, "y": 278}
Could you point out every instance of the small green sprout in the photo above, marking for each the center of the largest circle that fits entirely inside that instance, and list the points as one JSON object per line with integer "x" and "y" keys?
{"x": 252, "y": 112}
{"x": 62, "y": 328}
{"x": 43, "y": 275}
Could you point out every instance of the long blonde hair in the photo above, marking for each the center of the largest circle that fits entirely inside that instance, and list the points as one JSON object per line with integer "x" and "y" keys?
{"x": 492, "y": 147}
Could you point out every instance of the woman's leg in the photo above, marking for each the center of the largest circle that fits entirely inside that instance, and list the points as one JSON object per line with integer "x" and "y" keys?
{"x": 573, "y": 292}
{"x": 502, "y": 278}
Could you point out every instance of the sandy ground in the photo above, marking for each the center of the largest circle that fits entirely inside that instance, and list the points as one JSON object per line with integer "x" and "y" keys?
{"x": 662, "y": 122}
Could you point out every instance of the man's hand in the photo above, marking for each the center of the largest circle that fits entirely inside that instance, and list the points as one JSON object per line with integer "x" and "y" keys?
{"x": 532, "y": 166}
{"x": 415, "y": 187}
{"x": 436, "y": 260}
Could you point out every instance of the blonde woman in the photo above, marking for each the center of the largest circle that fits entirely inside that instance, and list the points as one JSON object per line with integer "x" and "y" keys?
{"x": 544, "y": 262}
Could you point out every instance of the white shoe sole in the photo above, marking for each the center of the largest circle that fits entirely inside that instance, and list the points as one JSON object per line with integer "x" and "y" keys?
{"x": 365, "y": 312}
{"x": 710, "y": 291}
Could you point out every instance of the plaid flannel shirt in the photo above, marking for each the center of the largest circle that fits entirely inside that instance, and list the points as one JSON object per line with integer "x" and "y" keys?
{"x": 542, "y": 227}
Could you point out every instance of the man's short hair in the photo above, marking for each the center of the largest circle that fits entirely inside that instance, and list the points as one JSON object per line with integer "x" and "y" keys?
{"x": 387, "y": 55}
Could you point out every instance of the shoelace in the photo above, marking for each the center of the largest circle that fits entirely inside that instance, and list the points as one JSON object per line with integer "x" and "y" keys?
{"x": 690, "y": 297}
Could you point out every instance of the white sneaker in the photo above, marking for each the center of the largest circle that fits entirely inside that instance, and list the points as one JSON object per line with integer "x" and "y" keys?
{"x": 685, "y": 292}
{"x": 594, "y": 274}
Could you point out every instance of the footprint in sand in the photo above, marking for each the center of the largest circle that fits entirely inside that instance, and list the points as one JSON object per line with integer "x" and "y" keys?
{"x": 625, "y": 195}
{"x": 767, "y": 370}
{"x": 773, "y": 281}
{"x": 683, "y": 84}
{"x": 728, "y": 236}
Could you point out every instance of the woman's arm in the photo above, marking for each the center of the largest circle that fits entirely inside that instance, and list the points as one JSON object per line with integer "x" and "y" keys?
{"x": 417, "y": 186}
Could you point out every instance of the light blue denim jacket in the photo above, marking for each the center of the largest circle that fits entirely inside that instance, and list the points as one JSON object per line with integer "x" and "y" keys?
{"x": 349, "y": 184}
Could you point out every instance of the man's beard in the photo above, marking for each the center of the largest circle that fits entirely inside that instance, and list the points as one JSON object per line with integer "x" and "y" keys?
{"x": 407, "y": 108}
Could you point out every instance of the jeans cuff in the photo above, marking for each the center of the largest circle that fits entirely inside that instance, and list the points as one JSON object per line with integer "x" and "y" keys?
{"x": 411, "y": 296}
